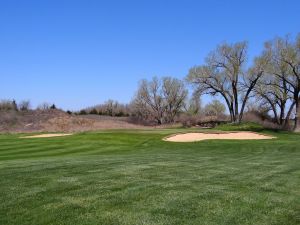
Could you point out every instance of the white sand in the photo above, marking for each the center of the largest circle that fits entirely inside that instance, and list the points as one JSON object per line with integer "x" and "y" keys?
{"x": 46, "y": 135}
{"x": 191, "y": 137}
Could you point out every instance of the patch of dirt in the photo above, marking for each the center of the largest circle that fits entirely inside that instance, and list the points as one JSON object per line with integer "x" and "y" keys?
{"x": 192, "y": 137}
{"x": 46, "y": 135}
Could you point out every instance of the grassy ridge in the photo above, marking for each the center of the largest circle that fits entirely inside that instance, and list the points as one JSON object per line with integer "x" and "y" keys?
{"x": 133, "y": 177}
{"x": 244, "y": 126}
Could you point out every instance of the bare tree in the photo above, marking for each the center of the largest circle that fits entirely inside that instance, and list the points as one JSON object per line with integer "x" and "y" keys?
{"x": 150, "y": 95}
{"x": 249, "y": 81}
{"x": 193, "y": 105}
{"x": 43, "y": 106}
{"x": 174, "y": 94}
{"x": 162, "y": 99}
{"x": 140, "y": 109}
{"x": 109, "y": 108}
{"x": 272, "y": 92}
{"x": 224, "y": 74}
{"x": 285, "y": 66}
{"x": 215, "y": 108}
{"x": 24, "y": 105}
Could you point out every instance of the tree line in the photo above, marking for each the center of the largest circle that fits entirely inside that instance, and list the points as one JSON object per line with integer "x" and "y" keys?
{"x": 24, "y": 105}
{"x": 108, "y": 108}
{"x": 272, "y": 78}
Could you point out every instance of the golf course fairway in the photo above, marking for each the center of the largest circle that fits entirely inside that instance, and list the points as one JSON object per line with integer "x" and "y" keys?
{"x": 134, "y": 177}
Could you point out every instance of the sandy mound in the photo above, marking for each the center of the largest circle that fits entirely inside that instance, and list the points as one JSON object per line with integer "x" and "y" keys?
{"x": 46, "y": 135}
{"x": 191, "y": 137}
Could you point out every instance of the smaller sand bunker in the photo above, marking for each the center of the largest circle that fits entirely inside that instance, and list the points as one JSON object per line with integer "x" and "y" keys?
{"x": 191, "y": 137}
{"x": 46, "y": 135}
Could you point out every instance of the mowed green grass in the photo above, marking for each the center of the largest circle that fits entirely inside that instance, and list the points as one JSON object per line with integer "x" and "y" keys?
{"x": 133, "y": 177}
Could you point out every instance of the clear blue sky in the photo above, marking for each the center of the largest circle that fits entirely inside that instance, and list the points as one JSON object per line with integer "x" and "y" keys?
{"x": 80, "y": 53}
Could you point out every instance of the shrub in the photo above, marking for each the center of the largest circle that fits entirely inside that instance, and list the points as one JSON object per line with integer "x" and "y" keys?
{"x": 120, "y": 114}
{"x": 24, "y": 105}
{"x": 94, "y": 111}
{"x": 52, "y": 106}
{"x": 14, "y": 105}
{"x": 82, "y": 112}
{"x": 6, "y": 105}
{"x": 43, "y": 106}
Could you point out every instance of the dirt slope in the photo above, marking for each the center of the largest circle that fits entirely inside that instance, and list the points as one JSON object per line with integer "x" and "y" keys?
{"x": 58, "y": 121}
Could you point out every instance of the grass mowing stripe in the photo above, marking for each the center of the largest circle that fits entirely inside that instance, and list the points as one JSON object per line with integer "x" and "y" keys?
{"x": 120, "y": 177}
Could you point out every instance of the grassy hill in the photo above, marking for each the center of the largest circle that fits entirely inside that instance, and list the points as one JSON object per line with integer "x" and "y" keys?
{"x": 133, "y": 177}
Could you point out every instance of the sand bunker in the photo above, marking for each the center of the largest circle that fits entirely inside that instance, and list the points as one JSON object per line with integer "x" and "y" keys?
{"x": 191, "y": 137}
{"x": 46, "y": 135}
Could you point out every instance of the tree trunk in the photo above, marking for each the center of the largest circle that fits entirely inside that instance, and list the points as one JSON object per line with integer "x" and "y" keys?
{"x": 244, "y": 103}
{"x": 233, "y": 113}
{"x": 242, "y": 109}
{"x": 296, "y": 115}
{"x": 159, "y": 121}
{"x": 275, "y": 114}
{"x": 252, "y": 85}
{"x": 282, "y": 112}
{"x": 288, "y": 116}
{"x": 236, "y": 109}
{"x": 229, "y": 106}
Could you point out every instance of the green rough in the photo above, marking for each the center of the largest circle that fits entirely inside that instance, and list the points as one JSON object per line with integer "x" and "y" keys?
{"x": 244, "y": 126}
